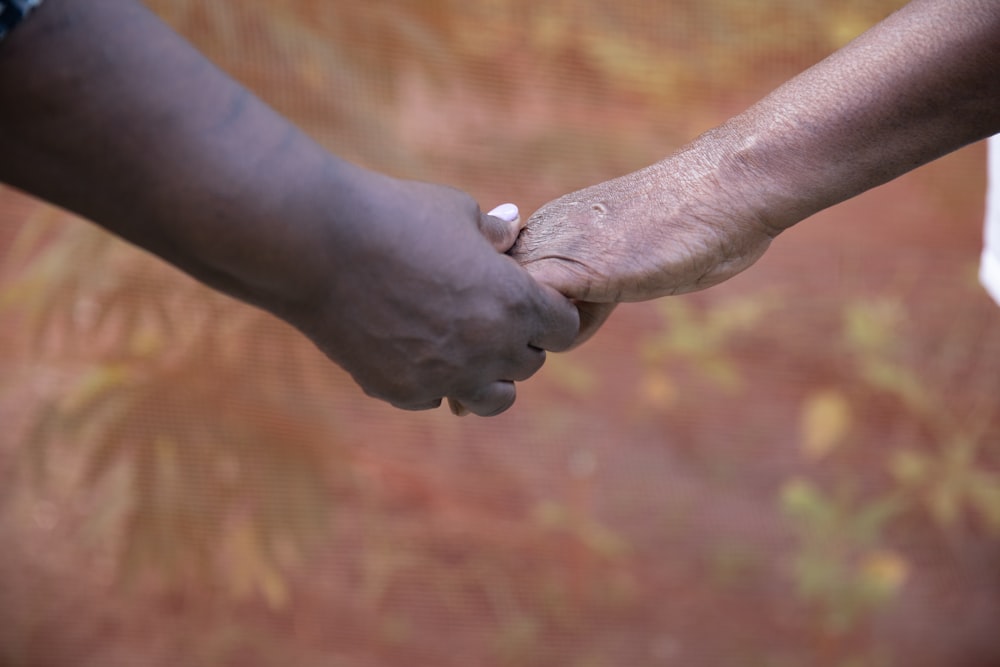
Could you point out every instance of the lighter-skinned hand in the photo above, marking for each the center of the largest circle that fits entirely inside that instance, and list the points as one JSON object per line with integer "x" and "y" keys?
{"x": 667, "y": 229}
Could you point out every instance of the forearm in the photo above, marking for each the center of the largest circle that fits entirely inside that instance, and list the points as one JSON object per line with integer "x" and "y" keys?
{"x": 924, "y": 82}
{"x": 108, "y": 113}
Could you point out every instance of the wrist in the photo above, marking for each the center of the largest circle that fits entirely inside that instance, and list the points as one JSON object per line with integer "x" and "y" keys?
{"x": 272, "y": 242}
{"x": 763, "y": 175}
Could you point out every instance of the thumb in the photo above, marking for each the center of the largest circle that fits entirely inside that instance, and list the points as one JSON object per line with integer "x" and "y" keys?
{"x": 501, "y": 226}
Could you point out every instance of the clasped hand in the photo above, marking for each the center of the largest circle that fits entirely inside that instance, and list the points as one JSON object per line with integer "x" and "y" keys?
{"x": 432, "y": 307}
{"x": 425, "y": 305}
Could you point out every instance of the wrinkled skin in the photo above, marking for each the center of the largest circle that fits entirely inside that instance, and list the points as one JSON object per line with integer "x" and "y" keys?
{"x": 660, "y": 231}
{"x": 918, "y": 85}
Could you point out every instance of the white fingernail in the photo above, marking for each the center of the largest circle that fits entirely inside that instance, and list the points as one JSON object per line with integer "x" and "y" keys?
{"x": 506, "y": 212}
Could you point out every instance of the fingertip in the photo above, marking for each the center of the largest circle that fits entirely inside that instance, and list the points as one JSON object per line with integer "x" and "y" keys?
{"x": 506, "y": 212}
{"x": 490, "y": 400}
{"x": 551, "y": 274}
{"x": 501, "y": 226}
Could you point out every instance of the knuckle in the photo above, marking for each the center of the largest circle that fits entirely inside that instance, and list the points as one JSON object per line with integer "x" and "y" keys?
{"x": 532, "y": 364}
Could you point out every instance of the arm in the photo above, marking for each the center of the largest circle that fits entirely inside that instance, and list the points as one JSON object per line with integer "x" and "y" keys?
{"x": 108, "y": 113}
{"x": 924, "y": 82}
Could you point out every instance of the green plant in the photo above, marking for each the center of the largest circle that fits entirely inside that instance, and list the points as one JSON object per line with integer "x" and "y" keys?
{"x": 942, "y": 467}
{"x": 840, "y": 564}
{"x": 701, "y": 339}
{"x": 229, "y": 473}
{"x": 950, "y": 483}
{"x": 952, "y": 479}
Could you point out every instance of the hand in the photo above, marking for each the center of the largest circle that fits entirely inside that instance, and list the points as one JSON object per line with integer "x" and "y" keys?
{"x": 670, "y": 228}
{"x": 916, "y": 86}
{"x": 421, "y": 304}
{"x": 394, "y": 280}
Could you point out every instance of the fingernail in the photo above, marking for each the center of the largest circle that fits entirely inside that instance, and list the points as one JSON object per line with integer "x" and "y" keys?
{"x": 506, "y": 212}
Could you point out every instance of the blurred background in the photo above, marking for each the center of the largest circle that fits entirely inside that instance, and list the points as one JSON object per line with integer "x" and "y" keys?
{"x": 800, "y": 467}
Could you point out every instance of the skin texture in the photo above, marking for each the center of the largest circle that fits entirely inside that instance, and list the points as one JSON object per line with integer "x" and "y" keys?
{"x": 917, "y": 86}
{"x": 109, "y": 114}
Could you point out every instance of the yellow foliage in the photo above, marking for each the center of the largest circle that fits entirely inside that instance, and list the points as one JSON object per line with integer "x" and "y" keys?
{"x": 702, "y": 338}
{"x": 571, "y": 375}
{"x": 146, "y": 342}
{"x": 885, "y": 572}
{"x": 658, "y": 390}
{"x": 797, "y": 496}
{"x": 908, "y": 466}
{"x": 825, "y": 422}
{"x": 950, "y": 481}
{"x": 873, "y": 325}
{"x": 597, "y": 537}
{"x": 843, "y": 29}
{"x": 95, "y": 383}
{"x": 249, "y": 570}
{"x": 986, "y": 497}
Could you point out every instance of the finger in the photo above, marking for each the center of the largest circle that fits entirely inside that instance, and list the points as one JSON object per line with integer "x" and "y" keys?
{"x": 592, "y": 316}
{"x": 567, "y": 278}
{"x": 489, "y": 400}
{"x": 501, "y": 226}
{"x": 529, "y": 359}
{"x": 420, "y": 405}
{"x": 559, "y": 321}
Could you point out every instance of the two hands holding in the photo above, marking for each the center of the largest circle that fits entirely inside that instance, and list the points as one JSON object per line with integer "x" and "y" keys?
{"x": 406, "y": 285}
{"x": 469, "y": 303}
{"x": 916, "y": 86}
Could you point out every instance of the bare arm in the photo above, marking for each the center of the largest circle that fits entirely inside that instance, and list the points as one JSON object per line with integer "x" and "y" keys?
{"x": 108, "y": 113}
{"x": 921, "y": 84}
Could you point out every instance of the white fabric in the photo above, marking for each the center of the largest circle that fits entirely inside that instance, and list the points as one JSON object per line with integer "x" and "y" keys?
{"x": 989, "y": 267}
